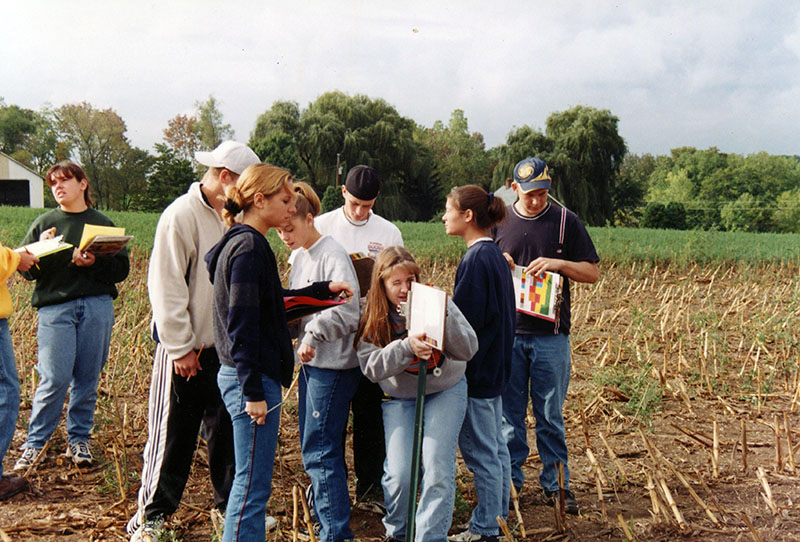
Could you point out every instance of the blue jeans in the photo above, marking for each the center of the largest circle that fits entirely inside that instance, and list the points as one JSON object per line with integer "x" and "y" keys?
{"x": 485, "y": 452}
{"x": 540, "y": 365}
{"x": 73, "y": 348}
{"x": 443, "y": 416}
{"x": 328, "y": 393}
{"x": 255, "y": 453}
{"x": 9, "y": 390}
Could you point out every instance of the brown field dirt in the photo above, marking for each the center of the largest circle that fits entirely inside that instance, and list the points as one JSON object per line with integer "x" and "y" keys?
{"x": 672, "y": 367}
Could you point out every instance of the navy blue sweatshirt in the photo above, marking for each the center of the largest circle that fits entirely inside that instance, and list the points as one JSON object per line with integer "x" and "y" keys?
{"x": 484, "y": 292}
{"x": 250, "y": 331}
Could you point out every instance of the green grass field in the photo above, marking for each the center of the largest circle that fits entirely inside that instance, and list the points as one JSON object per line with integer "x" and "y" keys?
{"x": 427, "y": 241}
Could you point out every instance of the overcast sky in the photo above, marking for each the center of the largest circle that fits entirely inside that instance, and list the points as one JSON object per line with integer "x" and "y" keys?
{"x": 724, "y": 74}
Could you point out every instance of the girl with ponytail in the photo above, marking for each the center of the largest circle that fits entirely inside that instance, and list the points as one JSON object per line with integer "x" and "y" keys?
{"x": 252, "y": 337}
{"x": 484, "y": 291}
{"x": 329, "y": 368}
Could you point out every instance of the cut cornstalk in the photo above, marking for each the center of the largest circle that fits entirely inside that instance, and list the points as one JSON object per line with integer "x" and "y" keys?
{"x": 655, "y": 501}
{"x": 118, "y": 469}
{"x": 307, "y": 516}
{"x": 694, "y": 494}
{"x": 673, "y": 506}
{"x": 559, "y": 507}
{"x": 596, "y": 466}
{"x": 613, "y": 457}
{"x": 504, "y": 527}
{"x": 744, "y": 445}
{"x": 515, "y": 501}
{"x": 776, "y": 428}
{"x": 767, "y": 495}
{"x": 702, "y": 439}
{"x": 715, "y": 451}
{"x": 295, "y": 531}
{"x": 753, "y": 532}
{"x": 789, "y": 442}
{"x": 600, "y": 499}
{"x": 682, "y": 479}
{"x": 624, "y": 526}
{"x": 583, "y": 423}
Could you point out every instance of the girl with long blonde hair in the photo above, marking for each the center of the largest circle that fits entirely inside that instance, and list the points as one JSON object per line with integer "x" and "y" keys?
{"x": 252, "y": 337}
{"x": 390, "y": 357}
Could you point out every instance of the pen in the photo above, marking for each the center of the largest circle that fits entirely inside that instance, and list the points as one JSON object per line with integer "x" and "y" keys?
{"x": 197, "y": 356}
{"x": 29, "y": 252}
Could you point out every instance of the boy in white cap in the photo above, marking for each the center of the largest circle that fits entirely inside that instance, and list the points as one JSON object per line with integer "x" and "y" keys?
{"x": 183, "y": 387}
{"x": 542, "y": 237}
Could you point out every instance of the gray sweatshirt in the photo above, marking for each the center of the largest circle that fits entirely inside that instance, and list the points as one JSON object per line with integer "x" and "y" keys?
{"x": 387, "y": 365}
{"x": 330, "y": 331}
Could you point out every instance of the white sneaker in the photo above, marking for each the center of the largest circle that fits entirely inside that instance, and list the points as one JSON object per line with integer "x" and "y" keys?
{"x": 149, "y": 531}
{"x": 80, "y": 453}
{"x": 27, "y": 458}
{"x": 270, "y": 522}
{"x": 468, "y": 536}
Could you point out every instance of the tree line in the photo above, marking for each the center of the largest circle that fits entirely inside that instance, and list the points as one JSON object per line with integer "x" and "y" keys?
{"x": 593, "y": 174}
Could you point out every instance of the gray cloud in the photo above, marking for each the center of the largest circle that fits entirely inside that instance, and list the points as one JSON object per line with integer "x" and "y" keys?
{"x": 725, "y": 74}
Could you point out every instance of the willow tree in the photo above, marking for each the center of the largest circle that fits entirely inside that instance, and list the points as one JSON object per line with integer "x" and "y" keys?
{"x": 587, "y": 154}
{"x": 337, "y": 129}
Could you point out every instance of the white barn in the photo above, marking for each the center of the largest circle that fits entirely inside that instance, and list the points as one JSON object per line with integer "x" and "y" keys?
{"x": 19, "y": 185}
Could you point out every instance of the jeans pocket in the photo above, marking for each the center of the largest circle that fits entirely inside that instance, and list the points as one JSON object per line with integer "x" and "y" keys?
{"x": 231, "y": 391}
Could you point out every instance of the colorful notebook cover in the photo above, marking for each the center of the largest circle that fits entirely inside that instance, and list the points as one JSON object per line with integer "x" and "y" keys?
{"x": 538, "y": 296}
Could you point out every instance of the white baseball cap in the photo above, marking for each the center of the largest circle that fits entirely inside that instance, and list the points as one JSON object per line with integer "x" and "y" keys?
{"x": 231, "y": 155}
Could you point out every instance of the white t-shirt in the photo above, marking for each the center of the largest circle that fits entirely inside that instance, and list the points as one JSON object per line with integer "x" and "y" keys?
{"x": 368, "y": 237}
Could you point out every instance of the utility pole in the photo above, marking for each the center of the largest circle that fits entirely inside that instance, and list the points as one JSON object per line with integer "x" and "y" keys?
{"x": 338, "y": 169}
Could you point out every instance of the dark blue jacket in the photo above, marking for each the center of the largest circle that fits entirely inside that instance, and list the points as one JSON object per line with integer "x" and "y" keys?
{"x": 250, "y": 331}
{"x": 484, "y": 292}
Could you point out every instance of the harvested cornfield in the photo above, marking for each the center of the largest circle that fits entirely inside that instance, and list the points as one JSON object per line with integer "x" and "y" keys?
{"x": 682, "y": 420}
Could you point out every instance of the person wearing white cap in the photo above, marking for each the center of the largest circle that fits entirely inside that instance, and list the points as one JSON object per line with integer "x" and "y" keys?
{"x": 183, "y": 386}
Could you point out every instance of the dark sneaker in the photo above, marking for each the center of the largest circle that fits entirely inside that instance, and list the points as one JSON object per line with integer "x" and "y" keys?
{"x": 570, "y": 504}
{"x": 27, "y": 458}
{"x": 370, "y": 499}
{"x": 11, "y": 484}
{"x": 302, "y": 532}
{"x": 80, "y": 453}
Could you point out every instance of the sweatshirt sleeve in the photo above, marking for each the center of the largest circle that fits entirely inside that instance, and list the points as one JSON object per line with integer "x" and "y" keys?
{"x": 243, "y": 325}
{"x": 460, "y": 340}
{"x": 173, "y": 254}
{"x": 9, "y": 260}
{"x": 380, "y": 363}
{"x": 333, "y": 324}
{"x": 32, "y": 235}
{"x": 112, "y": 269}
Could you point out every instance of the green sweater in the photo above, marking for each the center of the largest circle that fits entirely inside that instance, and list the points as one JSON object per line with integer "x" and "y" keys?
{"x": 56, "y": 280}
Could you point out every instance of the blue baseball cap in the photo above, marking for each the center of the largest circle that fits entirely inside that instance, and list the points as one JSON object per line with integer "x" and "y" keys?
{"x": 531, "y": 174}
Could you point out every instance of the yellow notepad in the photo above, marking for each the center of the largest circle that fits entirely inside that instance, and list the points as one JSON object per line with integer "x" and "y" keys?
{"x": 90, "y": 231}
